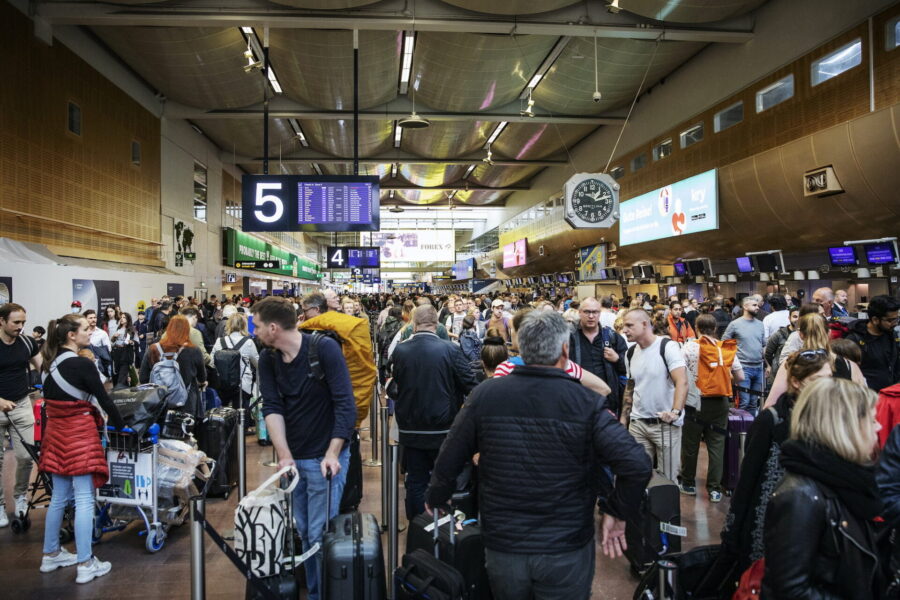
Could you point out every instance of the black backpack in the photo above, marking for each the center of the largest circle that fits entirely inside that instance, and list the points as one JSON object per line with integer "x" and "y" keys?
{"x": 315, "y": 366}
{"x": 230, "y": 364}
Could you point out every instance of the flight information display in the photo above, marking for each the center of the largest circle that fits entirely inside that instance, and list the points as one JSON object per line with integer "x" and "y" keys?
{"x": 366, "y": 275}
{"x": 348, "y": 257}
{"x": 310, "y": 203}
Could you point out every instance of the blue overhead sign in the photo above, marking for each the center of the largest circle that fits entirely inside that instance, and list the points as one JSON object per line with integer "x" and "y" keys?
{"x": 689, "y": 206}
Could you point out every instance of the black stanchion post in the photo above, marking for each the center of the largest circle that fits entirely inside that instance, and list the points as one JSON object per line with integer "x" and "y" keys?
{"x": 373, "y": 429}
{"x": 242, "y": 453}
{"x": 394, "y": 517}
{"x": 385, "y": 466}
{"x": 198, "y": 565}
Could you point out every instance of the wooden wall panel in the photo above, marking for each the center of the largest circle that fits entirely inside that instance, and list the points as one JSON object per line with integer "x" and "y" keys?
{"x": 80, "y": 195}
{"x": 887, "y": 62}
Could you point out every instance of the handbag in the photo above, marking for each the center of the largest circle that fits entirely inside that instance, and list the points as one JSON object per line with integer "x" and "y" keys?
{"x": 260, "y": 520}
{"x": 750, "y": 587}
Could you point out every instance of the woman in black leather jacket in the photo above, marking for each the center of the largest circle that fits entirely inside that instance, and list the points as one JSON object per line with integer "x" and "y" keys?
{"x": 819, "y": 534}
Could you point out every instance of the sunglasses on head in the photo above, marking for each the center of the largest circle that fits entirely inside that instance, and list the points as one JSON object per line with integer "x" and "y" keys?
{"x": 811, "y": 355}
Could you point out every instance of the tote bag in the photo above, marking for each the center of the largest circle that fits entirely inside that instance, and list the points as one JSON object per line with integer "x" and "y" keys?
{"x": 260, "y": 520}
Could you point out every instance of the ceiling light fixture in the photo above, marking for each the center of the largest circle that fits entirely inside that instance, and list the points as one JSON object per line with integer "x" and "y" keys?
{"x": 597, "y": 95}
{"x": 409, "y": 45}
{"x": 489, "y": 158}
{"x": 495, "y": 134}
{"x": 298, "y": 131}
{"x": 391, "y": 195}
{"x": 247, "y": 29}
{"x": 317, "y": 168}
{"x": 398, "y": 134}
{"x": 255, "y": 50}
{"x": 529, "y": 109}
{"x": 614, "y": 7}
{"x": 396, "y": 209}
{"x": 469, "y": 171}
{"x": 393, "y": 172}
{"x": 413, "y": 121}
{"x": 561, "y": 43}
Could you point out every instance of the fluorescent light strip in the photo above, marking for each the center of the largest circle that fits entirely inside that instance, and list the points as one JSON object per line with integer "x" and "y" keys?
{"x": 248, "y": 30}
{"x": 317, "y": 168}
{"x": 398, "y": 135}
{"x": 545, "y": 66}
{"x": 298, "y": 131}
{"x": 392, "y": 195}
{"x": 469, "y": 171}
{"x": 409, "y": 45}
{"x": 499, "y": 129}
{"x": 393, "y": 170}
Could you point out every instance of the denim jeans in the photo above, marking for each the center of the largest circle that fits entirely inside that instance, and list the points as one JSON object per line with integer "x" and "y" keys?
{"x": 564, "y": 576}
{"x": 63, "y": 486}
{"x": 309, "y": 509}
{"x": 754, "y": 379}
{"x": 419, "y": 464}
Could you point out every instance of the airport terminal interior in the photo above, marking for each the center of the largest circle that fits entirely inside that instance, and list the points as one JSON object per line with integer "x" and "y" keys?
{"x": 720, "y": 167}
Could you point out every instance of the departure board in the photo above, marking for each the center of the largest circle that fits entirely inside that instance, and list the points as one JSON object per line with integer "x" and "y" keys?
{"x": 307, "y": 203}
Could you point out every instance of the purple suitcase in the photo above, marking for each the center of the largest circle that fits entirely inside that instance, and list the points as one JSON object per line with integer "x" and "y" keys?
{"x": 739, "y": 422}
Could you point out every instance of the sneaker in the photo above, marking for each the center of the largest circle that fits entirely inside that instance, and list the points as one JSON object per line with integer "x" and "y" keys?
{"x": 63, "y": 559}
{"x": 715, "y": 496}
{"x": 96, "y": 568}
{"x": 21, "y": 506}
{"x": 4, "y": 520}
{"x": 688, "y": 490}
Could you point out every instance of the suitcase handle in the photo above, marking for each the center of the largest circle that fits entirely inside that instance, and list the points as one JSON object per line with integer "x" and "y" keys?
{"x": 328, "y": 477}
{"x": 437, "y": 520}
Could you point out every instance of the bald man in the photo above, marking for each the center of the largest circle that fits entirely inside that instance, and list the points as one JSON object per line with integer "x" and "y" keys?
{"x": 824, "y": 297}
{"x": 332, "y": 300}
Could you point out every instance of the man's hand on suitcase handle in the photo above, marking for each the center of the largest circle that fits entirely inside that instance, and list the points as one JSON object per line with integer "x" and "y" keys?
{"x": 331, "y": 460}
{"x": 613, "y": 536}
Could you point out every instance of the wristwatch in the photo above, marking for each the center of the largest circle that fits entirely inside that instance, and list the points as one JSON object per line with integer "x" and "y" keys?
{"x": 677, "y": 411}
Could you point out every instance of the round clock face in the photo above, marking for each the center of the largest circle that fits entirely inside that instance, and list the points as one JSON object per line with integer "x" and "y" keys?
{"x": 592, "y": 200}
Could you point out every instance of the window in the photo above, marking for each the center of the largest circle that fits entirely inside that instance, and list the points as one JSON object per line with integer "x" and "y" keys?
{"x": 662, "y": 149}
{"x": 638, "y": 162}
{"x": 691, "y": 135}
{"x": 775, "y": 94}
{"x": 617, "y": 172}
{"x": 728, "y": 117}
{"x": 199, "y": 192}
{"x": 74, "y": 121}
{"x": 892, "y": 34}
{"x": 136, "y": 153}
{"x": 832, "y": 65}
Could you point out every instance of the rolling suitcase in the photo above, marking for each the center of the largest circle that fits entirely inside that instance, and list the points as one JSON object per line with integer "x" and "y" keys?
{"x": 212, "y": 436}
{"x": 658, "y": 531}
{"x": 739, "y": 422}
{"x": 352, "y": 558}
{"x": 463, "y": 550}
{"x": 424, "y": 576}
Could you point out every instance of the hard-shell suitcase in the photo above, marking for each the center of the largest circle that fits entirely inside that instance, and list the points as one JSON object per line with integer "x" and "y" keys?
{"x": 739, "y": 422}
{"x": 658, "y": 531}
{"x": 462, "y": 549}
{"x": 212, "y": 436}
{"x": 352, "y": 557}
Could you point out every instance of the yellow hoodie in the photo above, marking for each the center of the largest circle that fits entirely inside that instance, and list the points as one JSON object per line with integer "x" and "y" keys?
{"x": 357, "y": 349}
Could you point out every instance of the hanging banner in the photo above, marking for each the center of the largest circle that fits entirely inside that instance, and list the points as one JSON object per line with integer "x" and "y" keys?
{"x": 420, "y": 246}
{"x": 184, "y": 242}
{"x": 243, "y": 248}
{"x": 96, "y": 294}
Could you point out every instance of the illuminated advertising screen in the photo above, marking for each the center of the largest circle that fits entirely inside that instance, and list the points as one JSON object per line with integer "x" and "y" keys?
{"x": 592, "y": 260}
{"x": 689, "y": 206}
{"x": 515, "y": 254}
{"x": 464, "y": 269}
{"x": 437, "y": 245}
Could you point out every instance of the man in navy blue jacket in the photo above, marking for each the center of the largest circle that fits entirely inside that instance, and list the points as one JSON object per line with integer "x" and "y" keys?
{"x": 309, "y": 420}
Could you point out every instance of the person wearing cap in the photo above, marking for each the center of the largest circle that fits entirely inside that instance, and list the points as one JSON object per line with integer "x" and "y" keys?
{"x": 76, "y": 307}
{"x": 498, "y": 320}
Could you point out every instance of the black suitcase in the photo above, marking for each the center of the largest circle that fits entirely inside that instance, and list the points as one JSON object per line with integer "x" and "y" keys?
{"x": 212, "y": 435}
{"x": 658, "y": 531}
{"x": 178, "y": 425}
{"x": 353, "y": 561}
{"x": 463, "y": 550}
{"x": 422, "y": 576}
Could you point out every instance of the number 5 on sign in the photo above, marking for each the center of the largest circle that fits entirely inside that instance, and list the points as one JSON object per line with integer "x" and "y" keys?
{"x": 262, "y": 199}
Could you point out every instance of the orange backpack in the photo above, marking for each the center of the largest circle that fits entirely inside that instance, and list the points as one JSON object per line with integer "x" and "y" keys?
{"x": 714, "y": 366}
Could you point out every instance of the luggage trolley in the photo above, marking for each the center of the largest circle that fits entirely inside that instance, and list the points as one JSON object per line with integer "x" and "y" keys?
{"x": 132, "y": 483}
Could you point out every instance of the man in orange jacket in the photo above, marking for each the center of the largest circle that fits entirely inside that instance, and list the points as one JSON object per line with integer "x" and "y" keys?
{"x": 679, "y": 329}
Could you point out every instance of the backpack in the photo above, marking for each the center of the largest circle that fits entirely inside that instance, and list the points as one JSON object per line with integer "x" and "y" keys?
{"x": 386, "y": 334}
{"x": 230, "y": 364}
{"x": 315, "y": 366}
{"x": 167, "y": 373}
{"x": 714, "y": 367}
{"x": 840, "y": 327}
{"x": 662, "y": 353}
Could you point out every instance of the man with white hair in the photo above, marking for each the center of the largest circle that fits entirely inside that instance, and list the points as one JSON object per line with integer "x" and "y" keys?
{"x": 824, "y": 297}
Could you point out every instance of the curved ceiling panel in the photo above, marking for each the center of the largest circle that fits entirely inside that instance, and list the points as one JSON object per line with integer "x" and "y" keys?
{"x": 245, "y": 137}
{"x": 315, "y": 67}
{"x": 447, "y": 139}
{"x": 524, "y": 141}
{"x": 690, "y": 11}
{"x": 511, "y": 7}
{"x": 336, "y": 137}
{"x": 200, "y": 67}
{"x": 381, "y": 171}
{"x": 134, "y": 1}
{"x": 496, "y": 176}
{"x": 479, "y": 198}
{"x": 276, "y": 169}
{"x": 568, "y": 87}
{"x": 325, "y": 4}
{"x": 431, "y": 175}
{"x": 468, "y": 72}
{"x": 418, "y": 196}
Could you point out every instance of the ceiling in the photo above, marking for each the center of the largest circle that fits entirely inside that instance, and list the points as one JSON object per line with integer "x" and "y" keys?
{"x": 471, "y": 69}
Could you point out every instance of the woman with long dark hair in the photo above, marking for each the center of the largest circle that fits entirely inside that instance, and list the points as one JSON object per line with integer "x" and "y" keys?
{"x": 123, "y": 338}
{"x": 190, "y": 360}
{"x": 71, "y": 452}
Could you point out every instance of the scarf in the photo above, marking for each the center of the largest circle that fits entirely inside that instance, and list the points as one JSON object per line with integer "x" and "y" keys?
{"x": 854, "y": 484}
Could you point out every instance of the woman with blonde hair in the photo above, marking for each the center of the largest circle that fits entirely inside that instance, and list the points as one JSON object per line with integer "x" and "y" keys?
{"x": 820, "y": 522}
{"x": 237, "y": 337}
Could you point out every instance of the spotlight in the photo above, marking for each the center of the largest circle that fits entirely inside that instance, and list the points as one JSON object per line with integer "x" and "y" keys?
{"x": 614, "y": 7}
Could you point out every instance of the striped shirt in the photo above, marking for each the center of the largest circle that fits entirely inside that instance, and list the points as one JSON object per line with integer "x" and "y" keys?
{"x": 506, "y": 367}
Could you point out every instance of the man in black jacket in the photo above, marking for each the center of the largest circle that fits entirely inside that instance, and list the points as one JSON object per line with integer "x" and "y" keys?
{"x": 543, "y": 438}
{"x": 433, "y": 378}
{"x": 599, "y": 350}
{"x": 877, "y": 339}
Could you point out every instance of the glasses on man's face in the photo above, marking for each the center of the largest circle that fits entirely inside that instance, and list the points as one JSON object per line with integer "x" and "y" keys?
{"x": 811, "y": 355}
{"x": 590, "y": 313}
{"x": 890, "y": 320}
{"x": 497, "y": 306}
{"x": 306, "y": 310}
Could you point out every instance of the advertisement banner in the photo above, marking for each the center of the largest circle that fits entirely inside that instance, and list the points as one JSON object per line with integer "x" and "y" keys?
{"x": 689, "y": 206}
{"x": 174, "y": 289}
{"x": 421, "y": 246}
{"x": 241, "y": 247}
{"x": 591, "y": 260}
{"x": 96, "y": 294}
{"x": 514, "y": 254}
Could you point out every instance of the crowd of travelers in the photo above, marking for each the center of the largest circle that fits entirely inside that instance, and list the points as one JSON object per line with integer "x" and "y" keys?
{"x": 564, "y": 408}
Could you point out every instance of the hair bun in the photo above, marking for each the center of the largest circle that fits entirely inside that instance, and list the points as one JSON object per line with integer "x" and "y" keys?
{"x": 494, "y": 340}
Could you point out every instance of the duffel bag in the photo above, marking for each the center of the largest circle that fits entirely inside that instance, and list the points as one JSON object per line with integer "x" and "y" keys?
{"x": 260, "y": 520}
{"x": 140, "y": 406}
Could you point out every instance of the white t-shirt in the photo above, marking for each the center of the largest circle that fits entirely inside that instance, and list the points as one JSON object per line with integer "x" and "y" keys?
{"x": 100, "y": 338}
{"x": 607, "y": 318}
{"x": 775, "y": 321}
{"x": 654, "y": 390}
